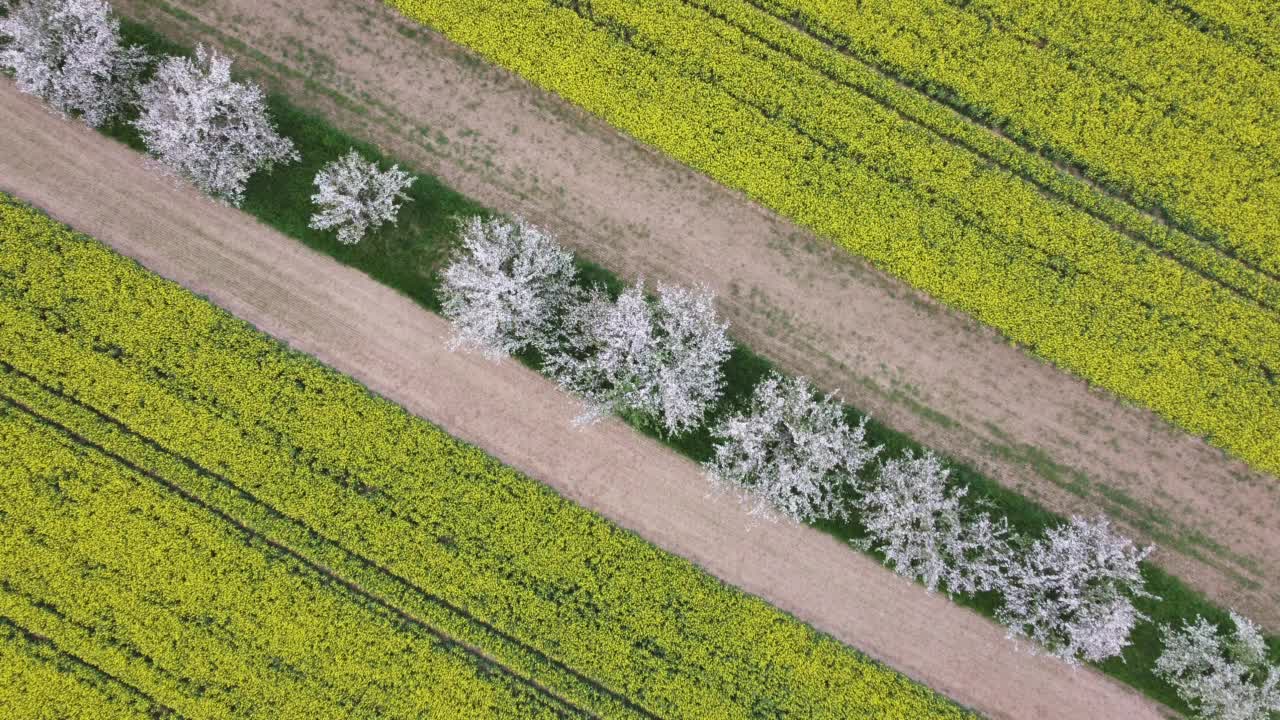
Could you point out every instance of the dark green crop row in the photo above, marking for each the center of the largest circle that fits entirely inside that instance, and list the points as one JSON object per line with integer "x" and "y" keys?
{"x": 985, "y": 146}
{"x": 368, "y": 581}
{"x": 39, "y": 680}
{"x": 209, "y": 621}
{"x": 1250, "y": 26}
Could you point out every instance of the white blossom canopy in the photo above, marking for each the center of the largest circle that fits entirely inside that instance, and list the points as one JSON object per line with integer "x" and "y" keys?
{"x": 68, "y": 52}
{"x": 355, "y": 197}
{"x": 1222, "y": 678}
{"x": 509, "y": 287}
{"x": 206, "y": 127}
{"x": 925, "y": 532}
{"x": 660, "y": 359}
{"x": 1072, "y": 591}
{"x": 791, "y": 452}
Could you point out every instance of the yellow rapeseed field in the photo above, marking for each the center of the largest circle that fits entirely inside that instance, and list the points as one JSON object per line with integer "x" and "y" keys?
{"x": 1088, "y": 283}
{"x": 211, "y": 487}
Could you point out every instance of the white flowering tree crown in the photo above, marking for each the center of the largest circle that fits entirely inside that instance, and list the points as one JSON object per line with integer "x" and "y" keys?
{"x": 355, "y": 197}
{"x": 1072, "y": 591}
{"x": 659, "y": 359}
{"x": 508, "y": 287}
{"x": 206, "y": 127}
{"x": 69, "y": 53}
{"x": 791, "y": 453}
{"x": 1221, "y": 678}
{"x": 924, "y": 530}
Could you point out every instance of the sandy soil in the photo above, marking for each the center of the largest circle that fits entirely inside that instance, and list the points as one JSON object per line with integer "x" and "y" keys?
{"x": 921, "y": 368}
{"x": 397, "y": 349}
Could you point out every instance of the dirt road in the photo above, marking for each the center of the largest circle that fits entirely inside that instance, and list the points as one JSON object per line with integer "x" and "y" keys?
{"x": 921, "y": 368}
{"x": 394, "y": 347}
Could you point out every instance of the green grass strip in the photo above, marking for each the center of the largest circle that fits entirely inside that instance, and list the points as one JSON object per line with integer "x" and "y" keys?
{"x": 445, "y": 517}
{"x": 408, "y": 257}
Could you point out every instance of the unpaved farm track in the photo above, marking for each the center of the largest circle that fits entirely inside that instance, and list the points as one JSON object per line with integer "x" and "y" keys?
{"x": 921, "y": 368}
{"x": 397, "y": 349}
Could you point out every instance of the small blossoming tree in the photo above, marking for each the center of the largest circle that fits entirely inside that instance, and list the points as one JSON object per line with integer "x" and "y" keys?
{"x": 791, "y": 452}
{"x": 206, "y": 127}
{"x": 509, "y": 287}
{"x": 1222, "y": 678}
{"x": 68, "y": 52}
{"x": 355, "y": 197}
{"x": 659, "y": 359}
{"x": 924, "y": 531}
{"x": 1072, "y": 592}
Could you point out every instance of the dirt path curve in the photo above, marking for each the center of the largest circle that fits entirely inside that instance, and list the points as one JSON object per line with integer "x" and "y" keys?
{"x": 360, "y": 327}
{"x": 816, "y": 310}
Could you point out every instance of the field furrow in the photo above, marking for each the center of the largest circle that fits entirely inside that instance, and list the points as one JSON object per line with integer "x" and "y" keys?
{"x": 955, "y": 126}
{"x": 39, "y": 680}
{"x": 206, "y": 615}
{"x": 1214, "y": 177}
{"x": 846, "y": 126}
{"x": 361, "y": 474}
{"x": 1204, "y": 83}
{"x": 364, "y": 578}
{"x": 1250, "y": 26}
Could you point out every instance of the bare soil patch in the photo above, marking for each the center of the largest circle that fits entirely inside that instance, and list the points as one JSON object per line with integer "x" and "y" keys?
{"x": 919, "y": 367}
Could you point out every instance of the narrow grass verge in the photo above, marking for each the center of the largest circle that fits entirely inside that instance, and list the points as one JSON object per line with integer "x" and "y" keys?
{"x": 408, "y": 256}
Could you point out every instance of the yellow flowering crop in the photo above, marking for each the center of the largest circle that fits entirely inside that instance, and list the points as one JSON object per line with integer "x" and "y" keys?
{"x": 179, "y": 478}
{"x": 36, "y": 678}
{"x": 1083, "y": 281}
{"x": 1149, "y": 105}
